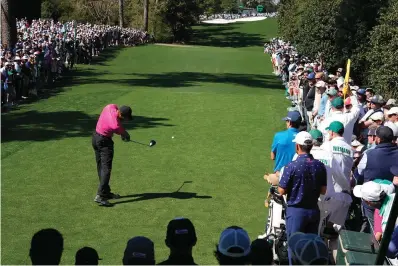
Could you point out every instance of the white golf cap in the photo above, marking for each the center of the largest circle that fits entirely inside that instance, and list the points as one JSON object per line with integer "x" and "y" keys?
{"x": 372, "y": 191}
{"x": 340, "y": 82}
{"x": 393, "y": 111}
{"x": 356, "y": 143}
{"x": 393, "y": 127}
{"x": 303, "y": 138}
{"x": 377, "y": 116}
{"x": 391, "y": 102}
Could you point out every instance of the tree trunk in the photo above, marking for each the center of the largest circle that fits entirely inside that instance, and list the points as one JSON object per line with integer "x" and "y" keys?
{"x": 146, "y": 4}
{"x": 121, "y": 13}
{"x": 8, "y": 23}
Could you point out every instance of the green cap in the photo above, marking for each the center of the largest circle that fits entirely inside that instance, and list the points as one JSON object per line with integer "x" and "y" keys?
{"x": 336, "y": 127}
{"x": 316, "y": 134}
{"x": 338, "y": 103}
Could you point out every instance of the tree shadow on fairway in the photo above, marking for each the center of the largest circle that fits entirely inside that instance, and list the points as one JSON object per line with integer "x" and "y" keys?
{"x": 45, "y": 126}
{"x": 188, "y": 79}
{"x": 172, "y": 195}
{"x": 227, "y": 35}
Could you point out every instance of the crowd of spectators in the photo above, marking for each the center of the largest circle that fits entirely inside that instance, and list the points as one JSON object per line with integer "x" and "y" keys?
{"x": 352, "y": 130}
{"x": 237, "y": 16}
{"x": 233, "y": 248}
{"x": 46, "y": 48}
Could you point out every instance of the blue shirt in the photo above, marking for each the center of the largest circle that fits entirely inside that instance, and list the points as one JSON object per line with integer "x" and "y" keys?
{"x": 392, "y": 251}
{"x": 322, "y": 105}
{"x": 303, "y": 180}
{"x": 283, "y": 147}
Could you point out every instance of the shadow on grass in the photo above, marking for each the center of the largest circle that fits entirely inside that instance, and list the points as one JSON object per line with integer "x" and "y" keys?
{"x": 227, "y": 35}
{"x": 186, "y": 79}
{"x": 44, "y": 126}
{"x": 172, "y": 195}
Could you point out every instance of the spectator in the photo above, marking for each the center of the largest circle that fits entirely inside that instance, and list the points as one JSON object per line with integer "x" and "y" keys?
{"x": 180, "y": 239}
{"x": 282, "y": 150}
{"x": 376, "y": 163}
{"x": 46, "y": 247}
{"x": 309, "y": 99}
{"x": 261, "y": 252}
{"x": 308, "y": 249}
{"x": 86, "y": 256}
{"x": 233, "y": 247}
{"x": 139, "y": 251}
{"x": 377, "y": 196}
{"x": 348, "y": 119}
{"x": 332, "y": 94}
{"x": 393, "y": 115}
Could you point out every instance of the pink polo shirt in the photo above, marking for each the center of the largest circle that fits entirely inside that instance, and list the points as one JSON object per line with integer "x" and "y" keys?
{"x": 108, "y": 122}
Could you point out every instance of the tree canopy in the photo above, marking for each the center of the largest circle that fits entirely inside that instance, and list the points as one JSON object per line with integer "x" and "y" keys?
{"x": 364, "y": 31}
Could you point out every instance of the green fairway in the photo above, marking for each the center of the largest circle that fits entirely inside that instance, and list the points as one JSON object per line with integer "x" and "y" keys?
{"x": 218, "y": 99}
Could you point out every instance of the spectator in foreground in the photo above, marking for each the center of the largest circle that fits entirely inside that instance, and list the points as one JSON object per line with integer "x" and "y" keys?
{"x": 376, "y": 163}
{"x": 46, "y": 247}
{"x": 303, "y": 181}
{"x": 233, "y": 247}
{"x": 180, "y": 239}
{"x": 139, "y": 251}
{"x": 261, "y": 252}
{"x": 308, "y": 249}
{"x": 86, "y": 256}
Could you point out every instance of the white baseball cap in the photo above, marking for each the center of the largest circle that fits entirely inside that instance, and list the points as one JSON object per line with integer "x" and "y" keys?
{"x": 393, "y": 111}
{"x": 303, "y": 138}
{"x": 393, "y": 127}
{"x": 377, "y": 116}
{"x": 372, "y": 191}
{"x": 234, "y": 238}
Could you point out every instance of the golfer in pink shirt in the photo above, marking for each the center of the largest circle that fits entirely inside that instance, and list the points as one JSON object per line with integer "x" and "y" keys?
{"x": 109, "y": 123}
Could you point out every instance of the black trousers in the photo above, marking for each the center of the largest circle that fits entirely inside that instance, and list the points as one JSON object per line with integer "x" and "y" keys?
{"x": 103, "y": 148}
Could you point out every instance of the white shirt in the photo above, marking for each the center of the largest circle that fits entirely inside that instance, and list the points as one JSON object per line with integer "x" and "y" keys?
{"x": 327, "y": 109}
{"x": 347, "y": 119}
{"x": 342, "y": 162}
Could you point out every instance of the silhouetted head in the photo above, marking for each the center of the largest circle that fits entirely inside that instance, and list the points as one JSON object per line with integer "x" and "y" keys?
{"x": 46, "y": 247}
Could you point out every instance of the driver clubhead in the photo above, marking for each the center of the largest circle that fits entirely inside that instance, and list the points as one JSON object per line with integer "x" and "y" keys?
{"x": 152, "y": 143}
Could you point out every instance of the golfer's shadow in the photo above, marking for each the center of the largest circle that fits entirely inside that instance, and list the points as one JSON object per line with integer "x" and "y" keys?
{"x": 172, "y": 195}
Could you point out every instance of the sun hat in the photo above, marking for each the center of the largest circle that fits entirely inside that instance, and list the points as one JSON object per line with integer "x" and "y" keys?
{"x": 139, "y": 249}
{"x": 378, "y": 99}
{"x": 308, "y": 248}
{"x": 377, "y": 116}
{"x": 316, "y": 134}
{"x": 336, "y": 127}
{"x": 293, "y": 116}
{"x": 393, "y": 111}
{"x": 181, "y": 233}
{"x": 87, "y": 256}
{"x": 338, "y": 103}
{"x": 331, "y": 91}
{"x": 373, "y": 191}
{"x": 303, "y": 138}
{"x": 393, "y": 127}
{"x": 234, "y": 237}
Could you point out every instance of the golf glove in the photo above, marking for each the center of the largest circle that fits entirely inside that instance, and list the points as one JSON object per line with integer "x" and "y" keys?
{"x": 126, "y": 136}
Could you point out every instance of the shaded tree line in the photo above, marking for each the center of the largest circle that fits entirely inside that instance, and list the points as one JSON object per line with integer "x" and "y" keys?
{"x": 366, "y": 31}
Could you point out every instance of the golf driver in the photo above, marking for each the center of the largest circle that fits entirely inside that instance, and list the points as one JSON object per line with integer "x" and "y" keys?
{"x": 151, "y": 143}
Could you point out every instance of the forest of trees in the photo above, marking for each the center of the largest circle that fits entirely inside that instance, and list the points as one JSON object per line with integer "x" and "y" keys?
{"x": 366, "y": 31}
